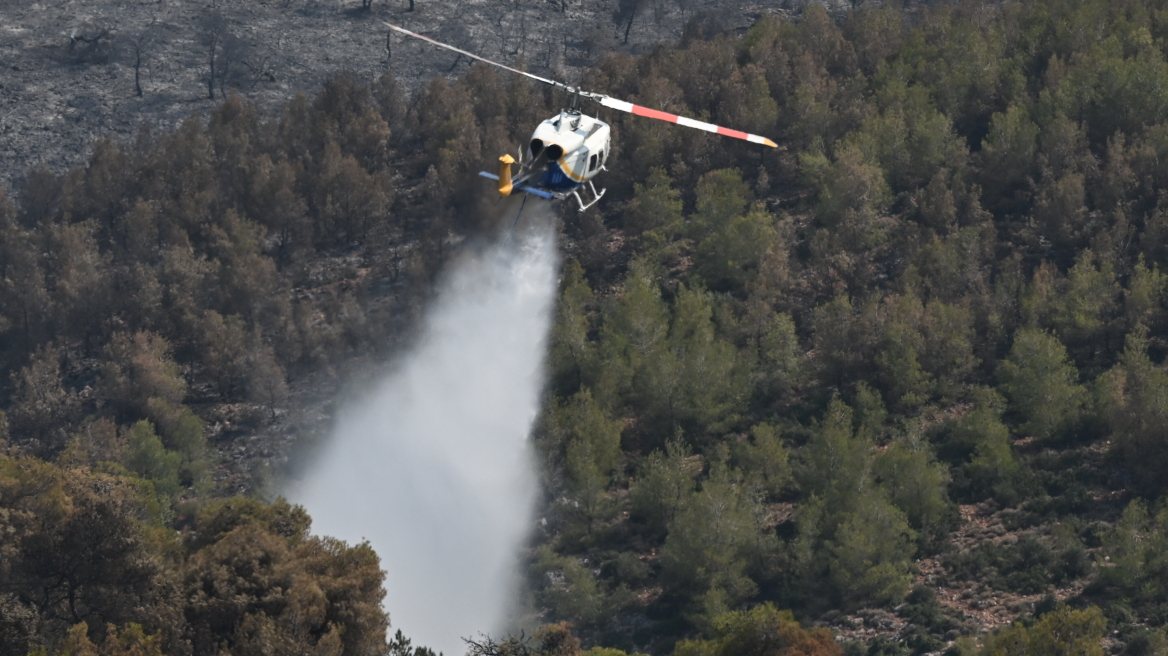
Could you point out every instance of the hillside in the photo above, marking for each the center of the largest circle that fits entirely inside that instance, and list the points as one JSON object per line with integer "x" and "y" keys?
{"x": 899, "y": 382}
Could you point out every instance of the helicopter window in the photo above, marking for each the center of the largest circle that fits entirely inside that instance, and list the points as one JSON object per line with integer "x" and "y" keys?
{"x": 601, "y": 156}
{"x": 536, "y": 147}
{"x": 592, "y": 163}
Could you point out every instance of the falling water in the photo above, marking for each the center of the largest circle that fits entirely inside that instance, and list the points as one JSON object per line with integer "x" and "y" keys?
{"x": 433, "y": 466}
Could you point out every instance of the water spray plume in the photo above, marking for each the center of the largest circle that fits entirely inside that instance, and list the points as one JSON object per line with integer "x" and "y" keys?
{"x": 433, "y": 466}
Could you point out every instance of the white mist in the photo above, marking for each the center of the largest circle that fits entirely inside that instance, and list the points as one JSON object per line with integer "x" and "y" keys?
{"x": 434, "y": 466}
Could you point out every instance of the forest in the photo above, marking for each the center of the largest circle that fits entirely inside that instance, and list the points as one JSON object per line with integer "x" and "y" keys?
{"x": 896, "y": 387}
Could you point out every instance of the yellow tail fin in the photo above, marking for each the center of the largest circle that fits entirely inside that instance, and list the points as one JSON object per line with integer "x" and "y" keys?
{"x": 505, "y": 163}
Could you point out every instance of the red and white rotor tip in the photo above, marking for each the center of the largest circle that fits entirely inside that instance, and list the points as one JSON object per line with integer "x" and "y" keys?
{"x": 629, "y": 107}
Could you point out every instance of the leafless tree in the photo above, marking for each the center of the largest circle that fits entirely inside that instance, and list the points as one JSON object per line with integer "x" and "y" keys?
{"x": 212, "y": 34}
{"x": 511, "y": 646}
{"x": 140, "y": 46}
{"x": 266, "y": 384}
{"x": 458, "y": 35}
{"x": 260, "y": 66}
{"x": 232, "y": 60}
{"x": 626, "y": 12}
{"x": 511, "y": 30}
{"x": 522, "y": 34}
{"x": 224, "y": 51}
{"x": 597, "y": 40}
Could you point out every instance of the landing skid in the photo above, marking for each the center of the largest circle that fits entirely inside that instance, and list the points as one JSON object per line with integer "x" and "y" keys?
{"x": 595, "y": 196}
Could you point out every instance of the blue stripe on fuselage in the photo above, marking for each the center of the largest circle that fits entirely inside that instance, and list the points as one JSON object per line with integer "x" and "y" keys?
{"x": 555, "y": 179}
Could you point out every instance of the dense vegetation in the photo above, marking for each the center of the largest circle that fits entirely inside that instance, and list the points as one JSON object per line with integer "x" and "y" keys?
{"x": 87, "y": 557}
{"x": 777, "y": 377}
{"x": 948, "y": 289}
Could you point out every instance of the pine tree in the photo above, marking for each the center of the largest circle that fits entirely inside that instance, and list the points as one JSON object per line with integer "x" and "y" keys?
{"x": 1041, "y": 384}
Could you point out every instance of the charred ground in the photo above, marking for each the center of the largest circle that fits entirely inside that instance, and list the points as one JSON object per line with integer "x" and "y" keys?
{"x": 67, "y": 69}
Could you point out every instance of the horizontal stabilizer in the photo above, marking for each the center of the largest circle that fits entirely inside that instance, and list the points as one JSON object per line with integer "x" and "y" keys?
{"x": 536, "y": 192}
{"x": 524, "y": 188}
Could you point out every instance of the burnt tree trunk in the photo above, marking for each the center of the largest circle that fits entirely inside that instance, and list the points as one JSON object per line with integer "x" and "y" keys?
{"x": 138, "y": 74}
{"x": 211, "y": 77}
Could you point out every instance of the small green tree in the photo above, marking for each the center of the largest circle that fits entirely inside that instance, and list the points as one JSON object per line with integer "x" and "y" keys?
{"x": 709, "y": 546}
{"x": 835, "y": 465}
{"x": 760, "y": 631}
{"x": 581, "y": 420}
{"x": 1007, "y": 159}
{"x": 870, "y": 558}
{"x": 571, "y": 353}
{"x": 852, "y": 192}
{"x": 908, "y": 384}
{"x": 183, "y": 432}
{"x": 947, "y": 349}
{"x": 781, "y": 369}
{"x": 728, "y": 257}
{"x": 664, "y": 481}
{"x": 869, "y": 412}
{"x": 916, "y": 484}
{"x": 633, "y": 331}
{"x": 654, "y": 216}
{"x": 711, "y": 384}
{"x": 1144, "y": 298}
{"x": 979, "y": 443}
{"x": 1083, "y": 309}
{"x": 148, "y": 457}
{"x": 574, "y": 593}
{"x": 587, "y": 442}
{"x": 1041, "y": 384}
{"x": 765, "y": 458}
{"x": 1063, "y": 632}
{"x": 721, "y": 195}
{"x": 1132, "y": 396}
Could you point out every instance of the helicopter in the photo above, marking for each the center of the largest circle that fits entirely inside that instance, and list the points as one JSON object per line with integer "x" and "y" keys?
{"x": 567, "y": 150}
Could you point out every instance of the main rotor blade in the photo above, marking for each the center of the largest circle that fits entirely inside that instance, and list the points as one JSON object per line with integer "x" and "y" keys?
{"x": 558, "y": 85}
{"x": 607, "y": 101}
{"x": 629, "y": 107}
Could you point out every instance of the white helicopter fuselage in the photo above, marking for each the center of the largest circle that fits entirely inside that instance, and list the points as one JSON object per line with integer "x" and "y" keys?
{"x": 567, "y": 150}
